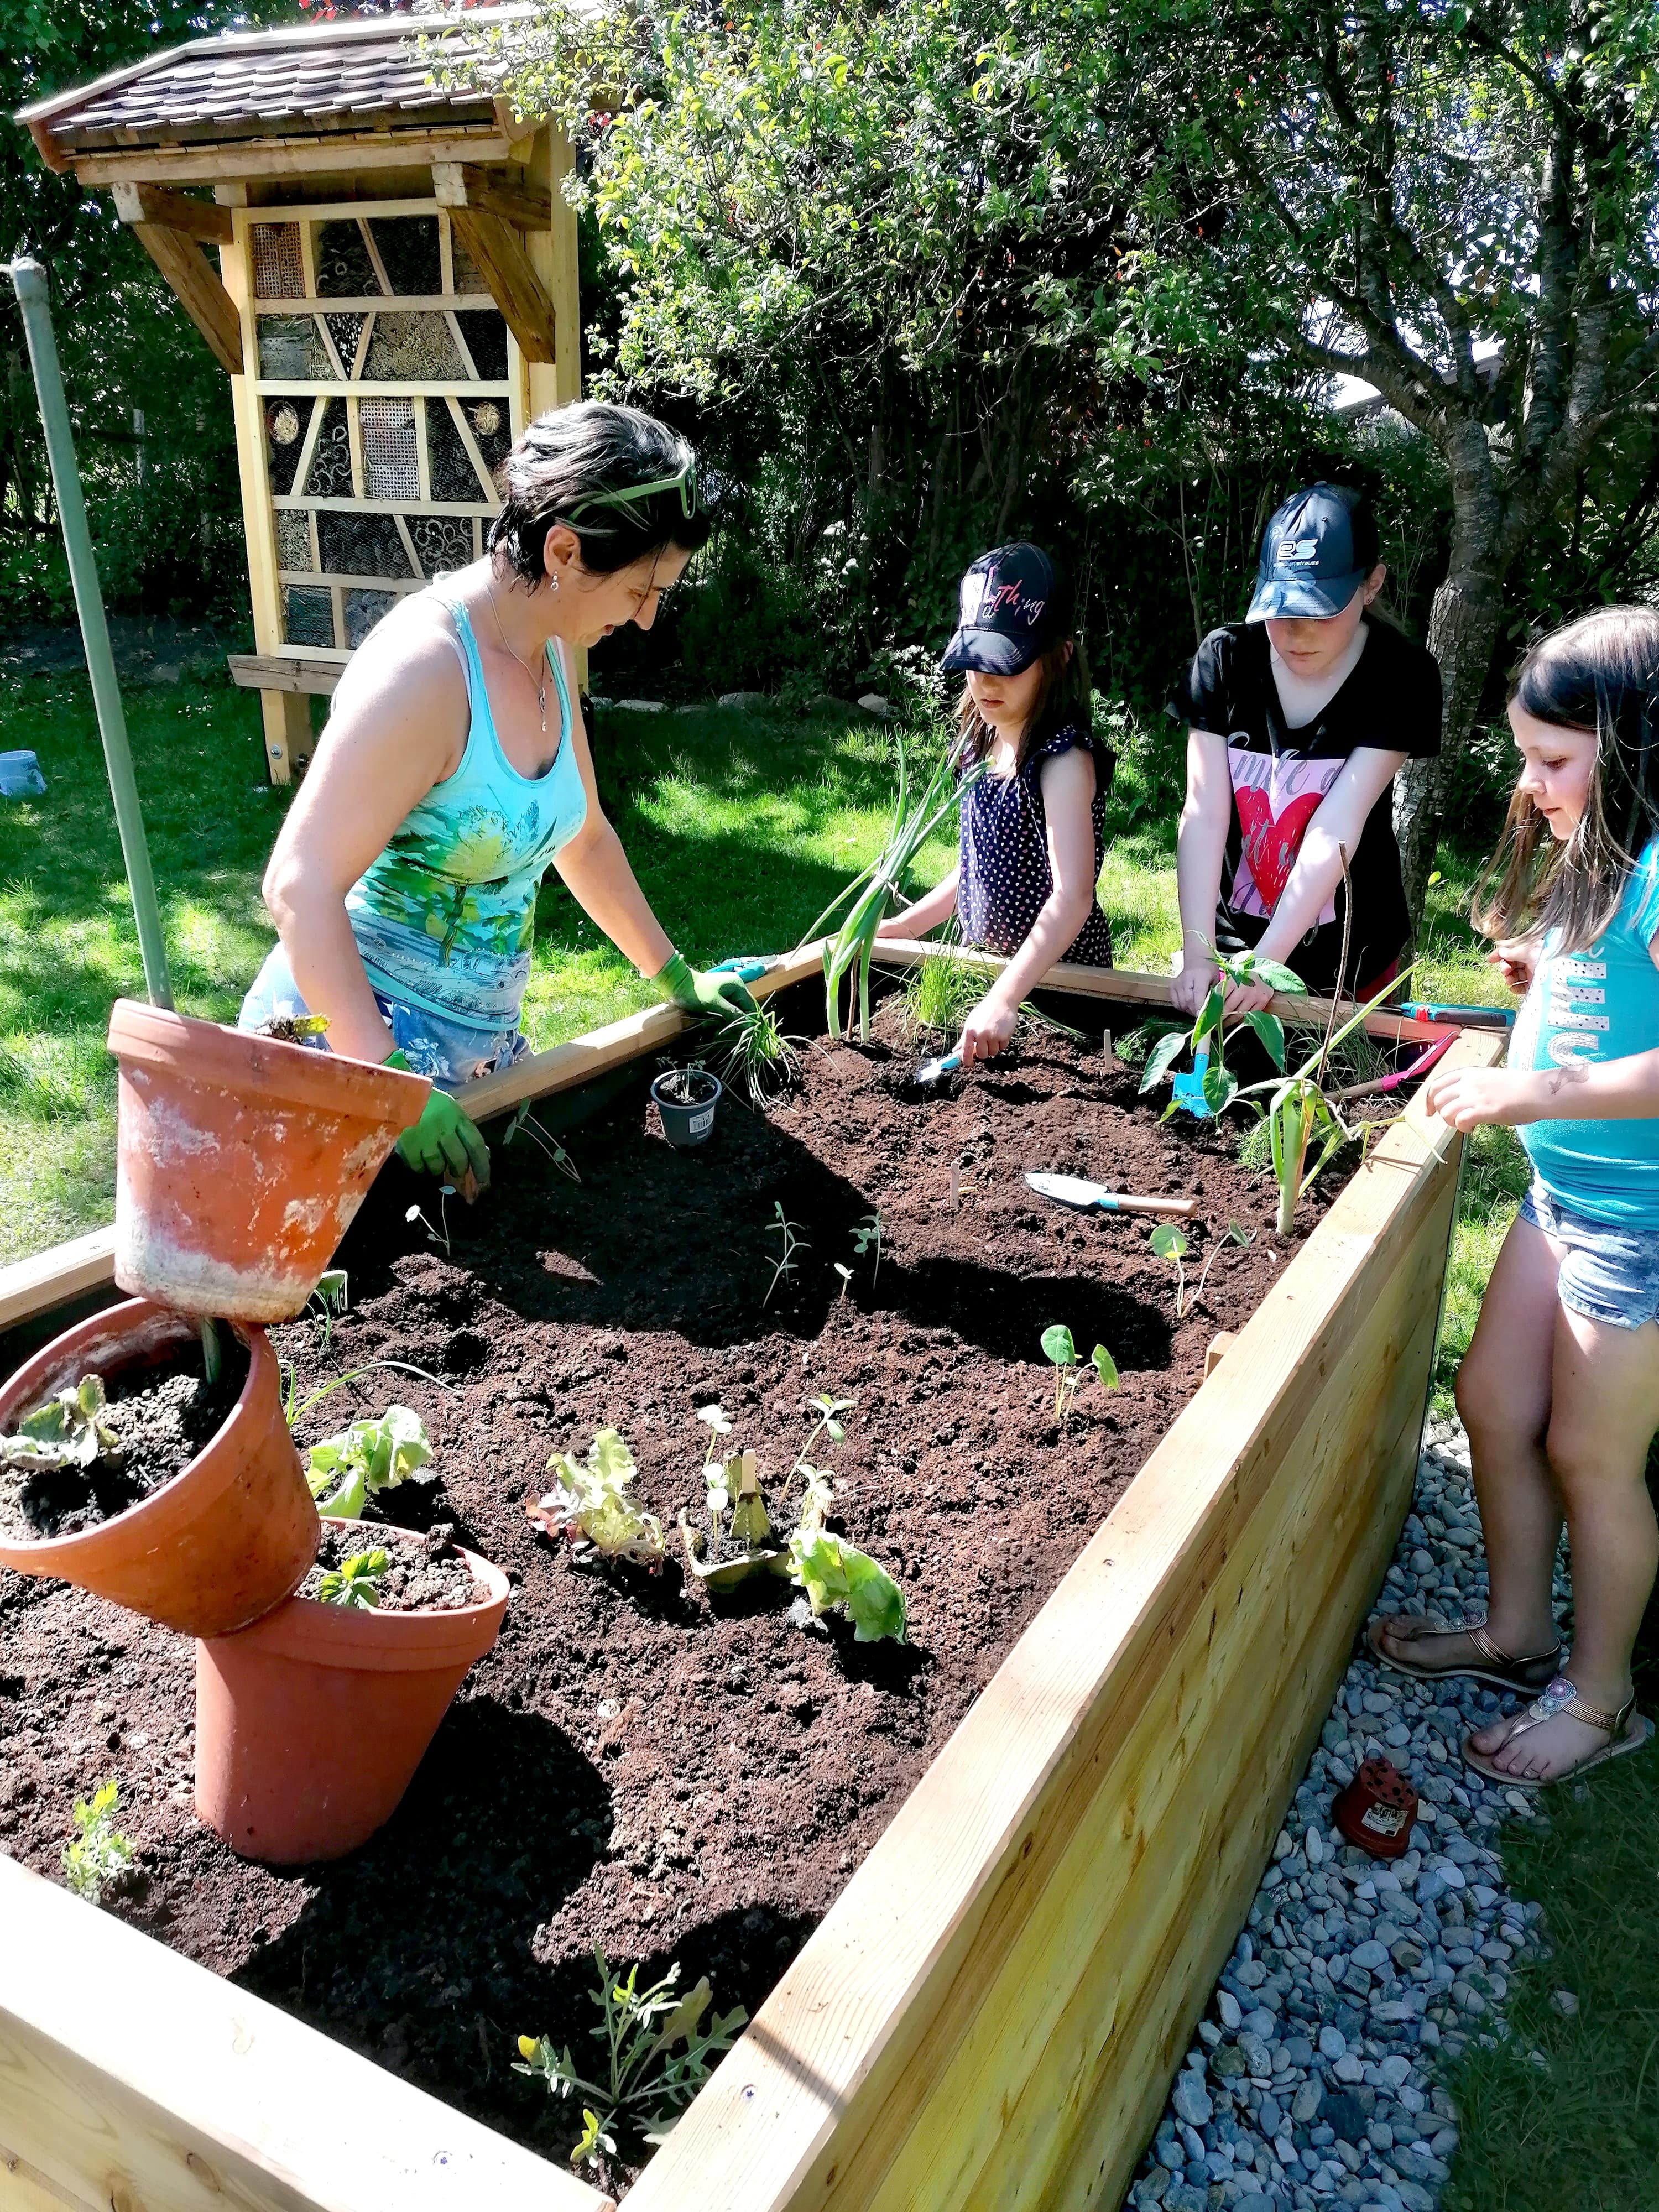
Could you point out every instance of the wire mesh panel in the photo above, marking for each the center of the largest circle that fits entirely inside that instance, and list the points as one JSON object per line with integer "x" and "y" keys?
{"x": 391, "y": 460}
{"x": 468, "y": 281}
{"x": 362, "y": 545}
{"x": 344, "y": 270}
{"x": 285, "y": 347}
{"x": 454, "y": 476}
{"x": 408, "y": 245}
{"x": 346, "y": 331}
{"x": 412, "y": 349}
{"x": 329, "y": 477}
{"x": 307, "y": 616}
{"x": 278, "y": 270}
{"x": 286, "y": 422}
{"x": 441, "y": 541}
{"x": 485, "y": 330}
{"x": 363, "y": 609}
{"x": 294, "y": 542}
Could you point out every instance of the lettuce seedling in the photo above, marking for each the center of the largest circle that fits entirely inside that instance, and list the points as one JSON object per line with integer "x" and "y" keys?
{"x": 100, "y": 1854}
{"x": 1058, "y": 1347}
{"x": 355, "y": 1581}
{"x": 831, "y": 1572}
{"x": 68, "y": 1430}
{"x": 866, "y": 1238}
{"x": 345, "y": 1471}
{"x": 658, "y": 2053}
{"x": 587, "y": 1505}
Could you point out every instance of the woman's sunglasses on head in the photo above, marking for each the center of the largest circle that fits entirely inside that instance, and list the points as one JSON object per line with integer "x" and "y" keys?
{"x": 683, "y": 481}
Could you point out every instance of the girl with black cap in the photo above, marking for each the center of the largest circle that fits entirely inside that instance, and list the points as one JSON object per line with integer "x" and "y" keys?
{"x": 455, "y": 769}
{"x": 1033, "y": 837}
{"x": 1298, "y": 720}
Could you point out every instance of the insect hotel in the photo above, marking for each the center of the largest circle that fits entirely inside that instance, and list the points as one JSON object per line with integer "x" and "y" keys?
{"x": 395, "y": 297}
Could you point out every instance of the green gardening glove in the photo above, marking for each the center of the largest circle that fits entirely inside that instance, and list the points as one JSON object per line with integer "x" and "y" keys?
{"x": 443, "y": 1142}
{"x": 722, "y": 996}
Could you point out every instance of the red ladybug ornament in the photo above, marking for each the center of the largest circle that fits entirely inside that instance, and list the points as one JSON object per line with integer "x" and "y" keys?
{"x": 1377, "y": 1810}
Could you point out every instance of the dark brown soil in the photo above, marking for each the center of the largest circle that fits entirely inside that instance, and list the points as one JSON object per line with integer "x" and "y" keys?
{"x": 162, "y": 1417}
{"x": 423, "y": 1574}
{"x": 635, "y": 1765}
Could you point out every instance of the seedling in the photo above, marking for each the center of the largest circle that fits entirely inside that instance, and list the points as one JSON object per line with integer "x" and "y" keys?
{"x": 440, "y": 1234}
{"x": 757, "y": 1054}
{"x": 293, "y": 1412}
{"x": 657, "y": 2053}
{"x": 829, "y": 1411}
{"x": 870, "y": 891}
{"x": 1219, "y": 1086}
{"x": 866, "y": 1238}
{"x": 331, "y": 1295}
{"x": 99, "y": 1853}
{"x": 524, "y": 1123}
{"x": 718, "y": 1422}
{"x": 831, "y": 1572}
{"x": 68, "y": 1430}
{"x": 1168, "y": 1242}
{"x": 790, "y": 1241}
{"x": 846, "y": 1274}
{"x": 212, "y": 1358}
{"x": 589, "y": 1507}
{"x": 355, "y": 1581}
{"x": 1058, "y": 1347}
{"x": 345, "y": 1471}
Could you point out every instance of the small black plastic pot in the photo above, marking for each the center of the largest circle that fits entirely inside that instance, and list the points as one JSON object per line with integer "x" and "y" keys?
{"x": 682, "y": 1124}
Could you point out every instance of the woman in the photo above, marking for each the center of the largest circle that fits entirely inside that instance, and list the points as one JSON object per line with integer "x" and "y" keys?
{"x": 455, "y": 766}
{"x": 1298, "y": 720}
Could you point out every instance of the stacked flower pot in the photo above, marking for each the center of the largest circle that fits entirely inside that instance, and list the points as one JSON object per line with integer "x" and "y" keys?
{"x": 242, "y": 1161}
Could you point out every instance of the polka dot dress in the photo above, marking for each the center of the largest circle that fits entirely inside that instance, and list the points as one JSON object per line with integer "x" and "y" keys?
{"x": 1005, "y": 879}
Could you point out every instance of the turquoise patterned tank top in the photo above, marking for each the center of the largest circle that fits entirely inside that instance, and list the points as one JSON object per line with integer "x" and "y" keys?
{"x": 444, "y": 918}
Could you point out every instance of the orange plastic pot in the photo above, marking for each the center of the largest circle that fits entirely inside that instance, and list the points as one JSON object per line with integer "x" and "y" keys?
{"x": 223, "y": 1542}
{"x": 241, "y": 1161}
{"x": 310, "y": 1724}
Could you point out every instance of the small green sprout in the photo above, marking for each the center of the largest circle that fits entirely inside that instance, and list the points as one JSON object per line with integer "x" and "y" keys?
{"x": 355, "y": 1581}
{"x": 331, "y": 1294}
{"x": 440, "y": 1234}
{"x": 100, "y": 1854}
{"x": 524, "y": 1121}
{"x": 1168, "y": 1243}
{"x": 846, "y": 1274}
{"x": 718, "y": 1422}
{"x": 866, "y": 1238}
{"x": 791, "y": 1241}
{"x": 1105, "y": 1366}
{"x": 589, "y": 1505}
{"x": 1060, "y": 1350}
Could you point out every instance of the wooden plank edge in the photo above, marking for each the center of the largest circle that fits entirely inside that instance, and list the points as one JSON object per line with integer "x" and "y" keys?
{"x": 35, "y": 1286}
{"x": 273, "y": 671}
{"x": 251, "y": 2105}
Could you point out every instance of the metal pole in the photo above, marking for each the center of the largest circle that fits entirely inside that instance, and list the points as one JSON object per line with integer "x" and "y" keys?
{"x": 29, "y": 280}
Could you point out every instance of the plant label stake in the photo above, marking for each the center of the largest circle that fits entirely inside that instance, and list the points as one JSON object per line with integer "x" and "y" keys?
{"x": 1074, "y": 1190}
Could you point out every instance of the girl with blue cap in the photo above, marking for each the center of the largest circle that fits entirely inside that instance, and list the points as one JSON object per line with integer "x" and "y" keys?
{"x": 1298, "y": 720}
{"x": 1033, "y": 837}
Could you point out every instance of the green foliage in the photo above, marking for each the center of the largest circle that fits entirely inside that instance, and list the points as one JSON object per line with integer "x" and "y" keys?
{"x": 589, "y": 1505}
{"x": 866, "y": 1238}
{"x": 757, "y": 1054}
{"x": 355, "y": 1581}
{"x": 656, "y": 2054}
{"x": 100, "y": 1854}
{"x": 68, "y": 1430}
{"x": 831, "y": 1572}
{"x": 331, "y": 1299}
{"x": 941, "y": 991}
{"x": 790, "y": 1241}
{"x": 345, "y": 1471}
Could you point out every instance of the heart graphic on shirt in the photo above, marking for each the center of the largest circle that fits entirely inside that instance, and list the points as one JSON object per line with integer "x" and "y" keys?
{"x": 1272, "y": 841}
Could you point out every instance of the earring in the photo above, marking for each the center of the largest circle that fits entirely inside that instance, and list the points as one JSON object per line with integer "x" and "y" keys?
{"x": 553, "y": 583}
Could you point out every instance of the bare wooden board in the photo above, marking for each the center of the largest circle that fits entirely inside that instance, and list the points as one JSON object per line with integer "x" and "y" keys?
{"x": 131, "y": 2078}
{"x": 50, "y": 1278}
{"x": 340, "y": 153}
{"x": 518, "y": 291}
{"x": 203, "y": 219}
{"x": 278, "y": 671}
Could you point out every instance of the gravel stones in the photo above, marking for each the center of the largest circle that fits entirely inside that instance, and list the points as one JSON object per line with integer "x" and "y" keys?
{"x": 1313, "y": 2085}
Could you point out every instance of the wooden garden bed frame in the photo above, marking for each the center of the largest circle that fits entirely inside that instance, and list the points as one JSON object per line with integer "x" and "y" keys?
{"x": 989, "y": 2016}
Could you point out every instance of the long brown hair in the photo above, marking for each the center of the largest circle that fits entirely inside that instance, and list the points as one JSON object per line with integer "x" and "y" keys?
{"x": 1062, "y": 696}
{"x": 1599, "y": 676}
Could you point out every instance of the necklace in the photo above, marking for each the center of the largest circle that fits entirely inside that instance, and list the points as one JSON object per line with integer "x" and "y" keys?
{"x": 541, "y": 684}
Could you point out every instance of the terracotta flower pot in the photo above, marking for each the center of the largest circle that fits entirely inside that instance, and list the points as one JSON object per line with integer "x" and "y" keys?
{"x": 223, "y": 1541}
{"x": 241, "y": 1161}
{"x": 310, "y": 1724}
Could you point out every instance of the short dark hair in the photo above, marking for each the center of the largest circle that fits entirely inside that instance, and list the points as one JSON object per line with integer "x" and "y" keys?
{"x": 574, "y": 453}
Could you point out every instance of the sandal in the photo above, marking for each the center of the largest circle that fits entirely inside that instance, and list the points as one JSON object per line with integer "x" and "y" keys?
{"x": 1626, "y": 1730}
{"x": 1524, "y": 1677}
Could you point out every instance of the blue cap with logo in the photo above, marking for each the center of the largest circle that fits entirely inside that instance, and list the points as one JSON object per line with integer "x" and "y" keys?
{"x": 1010, "y": 612}
{"x": 1316, "y": 553}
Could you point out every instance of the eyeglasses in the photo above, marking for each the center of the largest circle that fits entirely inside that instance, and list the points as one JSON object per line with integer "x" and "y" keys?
{"x": 683, "y": 481}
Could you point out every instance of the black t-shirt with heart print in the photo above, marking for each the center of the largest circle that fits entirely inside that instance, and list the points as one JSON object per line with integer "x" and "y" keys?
{"x": 1390, "y": 703}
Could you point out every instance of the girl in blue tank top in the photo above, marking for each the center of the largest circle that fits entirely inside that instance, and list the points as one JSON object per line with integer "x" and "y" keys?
{"x": 455, "y": 767}
{"x": 1560, "y": 1390}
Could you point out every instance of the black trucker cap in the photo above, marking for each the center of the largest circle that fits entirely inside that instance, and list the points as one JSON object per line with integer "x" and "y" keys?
{"x": 1316, "y": 553}
{"x": 1010, "y": 612}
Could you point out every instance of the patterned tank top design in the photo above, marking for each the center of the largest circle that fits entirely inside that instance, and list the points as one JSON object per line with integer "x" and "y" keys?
{"x": 443, "y": 918}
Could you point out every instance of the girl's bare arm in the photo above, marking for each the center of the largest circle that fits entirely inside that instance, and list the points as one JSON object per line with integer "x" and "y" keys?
{"x": 933, "y": 908}
{"x": 1201, "y": 848}
{"x": 1068, "y": 790}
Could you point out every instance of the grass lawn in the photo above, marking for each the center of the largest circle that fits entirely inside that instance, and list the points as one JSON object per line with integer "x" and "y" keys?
{"x": 741, "y": 828}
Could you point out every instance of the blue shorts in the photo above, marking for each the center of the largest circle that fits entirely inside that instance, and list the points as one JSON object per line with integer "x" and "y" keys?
{"x": 448, "y": 1052}
{"x": 1611, "y": 1271}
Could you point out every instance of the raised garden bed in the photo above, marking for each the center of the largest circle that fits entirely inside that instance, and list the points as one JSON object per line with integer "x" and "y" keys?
{"x": 989, "y": 2012}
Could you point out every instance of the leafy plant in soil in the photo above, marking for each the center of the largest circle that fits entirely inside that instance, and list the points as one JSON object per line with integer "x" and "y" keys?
{"x": 790, "y": 1241}
{"x": 940, "y": 992}
{"x": 1219, "y": 1086}
{"x": 355, "y": 1581}
{"x": 330, "y": 1295}
{"x": 1059, "y": 1348}
{"x": 68, "y": 1430}
{"x": 658, "y": 2053}
{"x": 733, "y": 1486}
{"x": 1168, "y": 1242}
{"x": 871, "y": 890}
{"x": 832, "y": 1573}
{"x": 866, "y": 1238}
{"x": 345, "y": 1471}
{"x": 440, "y": 1235}
{"x": 588, "y": 1505}
{"x": 757, "y": 1054}
{"x": 99, "y": 1853}
{"x": 524, "y": 1123}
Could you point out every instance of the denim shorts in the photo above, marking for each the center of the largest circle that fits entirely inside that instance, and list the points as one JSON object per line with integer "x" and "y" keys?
{"x": 1611, "y": 1271}
{"x": 448, "y": 1052}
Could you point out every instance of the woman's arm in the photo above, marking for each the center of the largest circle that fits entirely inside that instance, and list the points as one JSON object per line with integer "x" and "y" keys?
{"x": 933, "y": 908}
{"x": 1068, "y": 789}
{"x": 1201, "y": 848}
{"x": 398, "y": 726}
{"x": 1341, "y": 818}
